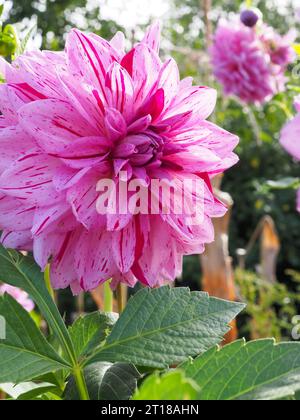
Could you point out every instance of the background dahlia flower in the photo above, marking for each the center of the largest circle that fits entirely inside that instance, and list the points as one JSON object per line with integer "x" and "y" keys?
{"x": 19, "y": 295}
{"x": 92, "y": 112}
{"x": 251, "y": 63}
{"x": 290, "y": 139}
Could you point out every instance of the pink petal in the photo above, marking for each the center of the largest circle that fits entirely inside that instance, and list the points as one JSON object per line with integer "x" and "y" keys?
{"x": 123, "y": 247}
{"x": 116, "y": 222}
{"x": 152, "y": 37}
{"x": 15, "y": 215}
{"x": 45, "y": 246}
{"x": 88, "y": 59}
{"x": 17, "y": 240}
{"x": 119, "y": 165}
{"x": 14, "y": 143}
{"x": 3, "y": 66}
{"x": 168, "y": 80}
{"x": 154, "y": 105}
{"x": 37, "y": 70}
{"x": 66, "y": 177}
{"x": 45, "y": 217}
{"x": 54, "y": 124}
{"x": 30, "y": 177}
{"x": 9, "y": 107}
{"x": 120, "y": 85}
{"x": 143, "y": 65}
{"x": 201, "y": 100}
{"x": 87, "y": 100}
{"x": 186, "y": 83}
{"x": 207, "y": 135}
{"x": 62, "y": 268}
{"x": 129, "y": 279}
{"x": 93, "y": 261}
{"x": 115, "y": 124}
{"x": 118, "y": 42}
{"x": 85, "y": 152}
{"x": 148, "y": 269}
{"x": 140, "y": 125}
{"x": 194, "y": 159}
{"x": 290, "y": 137}
{"x": 83, "y": 198}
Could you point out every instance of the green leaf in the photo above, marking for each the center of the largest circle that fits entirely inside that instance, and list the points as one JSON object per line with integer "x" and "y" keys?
{"x": 165, "y": 326}
{"x": 24, "y": 353}
{"x": 285, "y": 183}
{"x": 23, "y": 45}
{"x": 1, "y": 9}
{"x": 25, "y": 389}
{"x": 106, "y": 381}
{"x": 172, "y": 386}
{"x": 23, "y": 272}
{"x": 89, "y": 331}
{"x": 34, "y": 393}
{"x": 259, "y": 370}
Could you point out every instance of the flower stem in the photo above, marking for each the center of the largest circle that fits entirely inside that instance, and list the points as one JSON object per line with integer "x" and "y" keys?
{"x": 81, "y": 384}
{"x": 48, "y": 282}
{"x": 121, "y": 297}
{"x": 108, "y": 297}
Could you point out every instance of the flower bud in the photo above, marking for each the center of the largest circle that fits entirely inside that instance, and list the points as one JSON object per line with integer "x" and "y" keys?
{"x": 249, "y": 18}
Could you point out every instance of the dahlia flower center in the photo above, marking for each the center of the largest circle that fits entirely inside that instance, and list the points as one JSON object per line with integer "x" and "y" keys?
{"x": 138, "y": 150}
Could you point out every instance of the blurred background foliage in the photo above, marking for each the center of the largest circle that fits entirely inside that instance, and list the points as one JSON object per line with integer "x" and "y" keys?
{"x": 261, "y": 157}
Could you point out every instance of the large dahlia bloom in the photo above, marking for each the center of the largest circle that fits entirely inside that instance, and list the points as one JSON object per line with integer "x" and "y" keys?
{"x": 290, "y": 139}
{"x": 94, "y": 112}
{"x": 250, "y": 63}
{"x": 19, "y": 295}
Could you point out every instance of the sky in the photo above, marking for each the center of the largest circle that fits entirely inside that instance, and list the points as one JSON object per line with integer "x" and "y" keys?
{"x": 133, "y": 12}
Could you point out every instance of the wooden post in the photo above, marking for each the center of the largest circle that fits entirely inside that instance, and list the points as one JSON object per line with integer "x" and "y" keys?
{"x": 207, "y": 5}
{"x": 270, "y": 248}
{"x": 98, "y": 297}
{"x": 218, "y": 275}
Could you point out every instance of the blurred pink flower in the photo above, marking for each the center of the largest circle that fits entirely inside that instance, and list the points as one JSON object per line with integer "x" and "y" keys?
{"x": 279, "y": 47}
{"x": 93, "y": 112}
{"x": 290, "y": 139}
{"x": 19, "y": 295}
{"x": 251, "y": 62}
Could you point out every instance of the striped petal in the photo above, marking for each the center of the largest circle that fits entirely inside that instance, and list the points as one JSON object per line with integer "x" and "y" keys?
{"x": 123, "y": 247}
{"x": 54, "y": 124}
{"x": 93, "y": 261}
{"x": 120, "y": 86}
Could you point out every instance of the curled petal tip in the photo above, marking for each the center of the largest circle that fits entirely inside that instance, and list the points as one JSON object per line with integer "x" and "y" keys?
{"x": 152, "y": 37}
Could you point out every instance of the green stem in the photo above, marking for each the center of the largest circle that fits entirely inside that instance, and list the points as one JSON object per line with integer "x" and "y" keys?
{"x": 48, "y": 282}
{"x": 121, "y": 297}
{"x": 81, "y": 384}
{"x": 108, "y": 297}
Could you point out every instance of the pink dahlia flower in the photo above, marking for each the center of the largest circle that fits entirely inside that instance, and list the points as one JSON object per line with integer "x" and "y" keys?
{"x": 94, "y": 112}
{"x": 19, "y": 295}
{"x": 290, "y": 139}
{"x": 250, "y": 63}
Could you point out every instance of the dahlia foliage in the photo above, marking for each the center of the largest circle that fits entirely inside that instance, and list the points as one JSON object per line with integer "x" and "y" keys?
{"x": 250, "y": 62}
{"x": 19, "y": 295}
{"x": 290, "y": 139}
{"x": 93, "y": 112}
